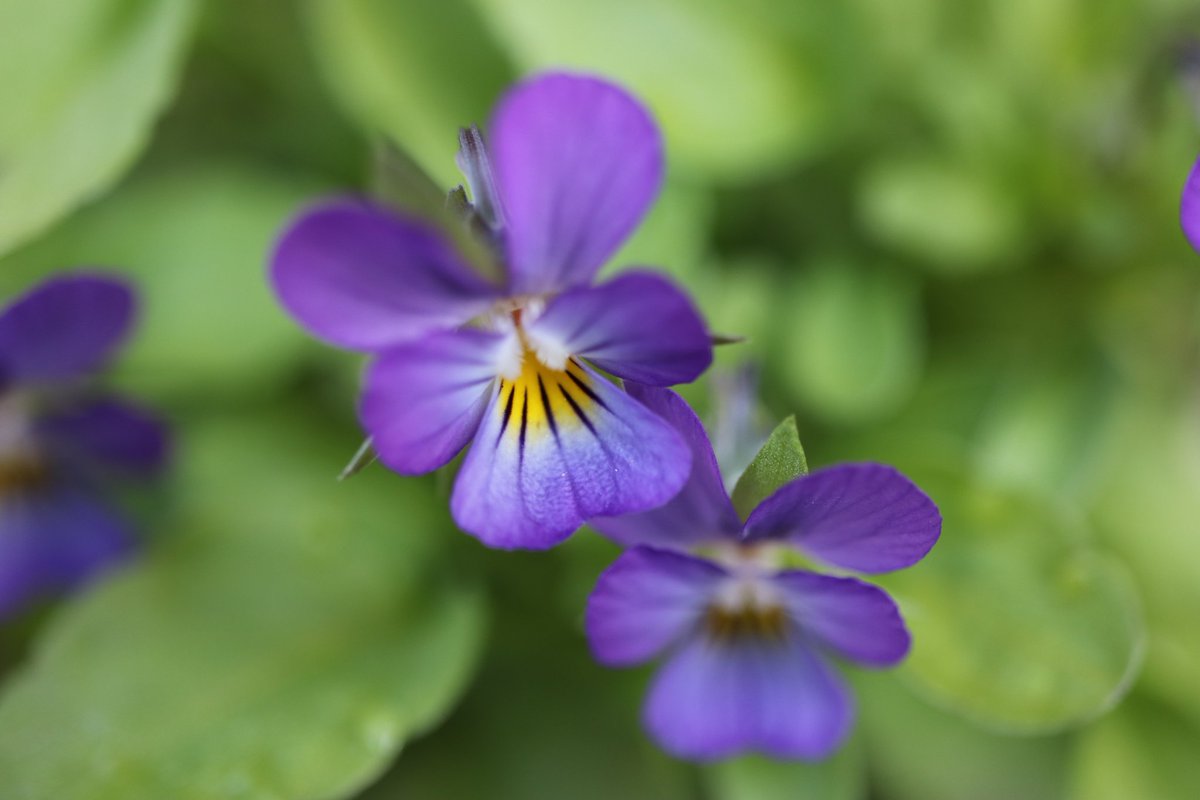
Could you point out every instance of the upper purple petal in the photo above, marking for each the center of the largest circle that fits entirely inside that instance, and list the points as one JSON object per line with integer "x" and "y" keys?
{"x": 638, "y": 326}
{"x": 557, "y": 449}
{"x": 55, "y": 541}
{"x": 864, "y": 517}
{"x": 423, "y": 400}
{"x": 107, "y": 433}
{"x": 855, "y": 619}
{"x": 1189, "y": 207}
{"x": 360, "y": 276}
{"x": 647, "y": 600}
{"x": 64, "y": 328}
{"x": 577, "y": 163}
{"x": 715, "y": 699}
{"x": 701, "y": 513}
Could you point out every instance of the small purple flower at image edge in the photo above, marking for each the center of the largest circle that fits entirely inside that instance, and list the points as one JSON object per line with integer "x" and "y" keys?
{"x": 747, "y": 642}
{"x": 63, "y": 446}
{"x": 1189, "y": 207}
{"x": 513, "y": 368}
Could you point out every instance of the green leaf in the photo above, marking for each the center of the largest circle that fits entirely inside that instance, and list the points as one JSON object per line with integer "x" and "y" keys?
{"x": 82, "y": 89}
{"x": 415, "y": 71}
{"x": 920, "y": 752}
{"x": 840, "y": 777}
{"x": 196, "y": 240}
{"x": 853, "y": 344}
{"x": 954, "y": 218}
{"x": 1143, "y": 749}
{"x": 284, "y": 644}
{"x": 1016, "y": 621}
{"x": 779, "y": 460}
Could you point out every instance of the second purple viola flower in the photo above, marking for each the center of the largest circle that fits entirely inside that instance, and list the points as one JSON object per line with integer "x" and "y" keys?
{"x": 574, "y": 164}
{"x": 747, "y": 639}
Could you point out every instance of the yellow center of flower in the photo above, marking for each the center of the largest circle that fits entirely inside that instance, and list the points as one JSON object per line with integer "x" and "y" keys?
{"x": 20, "y": 474}
{"x": 726, "y": 624}
{"x": 747, "y": 604}
{"x": 543, "y": 400}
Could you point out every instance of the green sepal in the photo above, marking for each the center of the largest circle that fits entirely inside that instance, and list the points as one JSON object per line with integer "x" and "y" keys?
{"x": 779, "y": 460}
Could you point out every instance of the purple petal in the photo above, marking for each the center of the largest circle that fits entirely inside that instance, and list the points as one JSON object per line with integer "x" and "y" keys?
{"x": 638, "y": 326}
{"x": 1189, "y": 207}
{"x": 53, "y": 542}
{"x": 645, "y": 601}
{"x": 423, "y": 400}
{"x": 577, "y": 163}
{"x": 718, "y": 699}
{"x": 701, "y": 513}
{"x": 108, "y": 433}
{"x": 857, "y": 620}
{"x": 64, "y": 328}
{"x": 557, "y": 448}
{"x": 362, "y": 277}
{"x": 864, "y": 517}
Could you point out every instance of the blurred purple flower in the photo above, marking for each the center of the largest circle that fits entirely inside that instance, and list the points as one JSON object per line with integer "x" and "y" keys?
{"x": 747, "y": 641}
{"x": 574, "y": 164}
{"x": 1189, "y": 207}
{"x": 58, "y": 448}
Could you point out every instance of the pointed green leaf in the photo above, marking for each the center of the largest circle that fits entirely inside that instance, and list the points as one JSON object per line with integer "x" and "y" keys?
{"x": 779, "y": 460}
{"x": 82, "y": 88}
{"x": 284, "y": 644}
{"x": 399, "y": 181}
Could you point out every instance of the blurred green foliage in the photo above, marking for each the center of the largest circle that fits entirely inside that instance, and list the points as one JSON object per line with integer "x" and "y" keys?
{"x": 948, "y": 231}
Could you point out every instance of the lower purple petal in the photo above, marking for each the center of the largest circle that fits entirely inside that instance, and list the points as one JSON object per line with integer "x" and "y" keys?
{"x": 423, "y": 400}
{"x": 638, "y": 326}
{"x": 714, "y": 700}
{"x": 864, "y": 517}
{"x": 107, "y": 433}
{"x": 53, "y": 542}
{"x": 646, "y": 600}
{"x": 701, "y": 513}
{"x": 1189, "y": 207}
{"x": 556, "y": 448}
{"x": 854, "y": 619}
{"x": 64, "y": 328}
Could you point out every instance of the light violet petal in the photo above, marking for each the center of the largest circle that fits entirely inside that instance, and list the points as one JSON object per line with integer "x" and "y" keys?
{"x": 701, "y": 513}
{"x": 64, "y": 328}
{"x": 638, "y": 326}
{"x": 423, "y": 400}
{"x": 362, "y": 277}
{"x": 863, "y": 517}
{"x": 856, "y": 620}
{"x": 577, "y": 163}
{"x": 556, "y": 448}
{"x": 645, "y": 601}
{"x": 713, "y": 700}
{"x": 1189, "y": 207}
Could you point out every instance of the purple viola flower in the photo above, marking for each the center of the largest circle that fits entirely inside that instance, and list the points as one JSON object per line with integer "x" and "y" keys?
{"x": 748, "y": 641}
{"x": 60, "y": 448}
{"x": 574, "y": 164}
{"x": 1189, "y": 207}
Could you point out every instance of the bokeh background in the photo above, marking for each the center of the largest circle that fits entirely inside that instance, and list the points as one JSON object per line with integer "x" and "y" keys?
{"x": 949, "y": 231}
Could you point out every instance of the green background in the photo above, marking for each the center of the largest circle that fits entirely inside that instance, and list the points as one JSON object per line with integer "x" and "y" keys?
{"x": 949, "y": 232}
